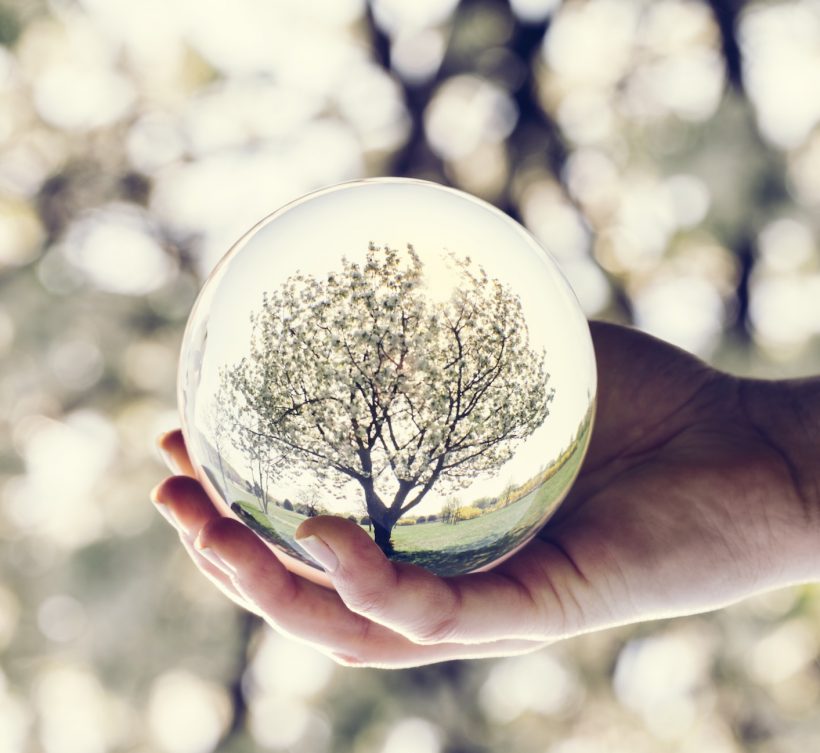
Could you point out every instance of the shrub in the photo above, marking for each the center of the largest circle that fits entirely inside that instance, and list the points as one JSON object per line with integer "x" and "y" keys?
{"x": 469, "y": 512}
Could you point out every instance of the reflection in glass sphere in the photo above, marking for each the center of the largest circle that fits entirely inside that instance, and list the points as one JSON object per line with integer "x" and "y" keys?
{"x": 397, "y": 353}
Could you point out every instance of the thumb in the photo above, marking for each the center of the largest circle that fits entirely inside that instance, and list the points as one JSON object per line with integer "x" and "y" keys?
{"x": 342, "y": 548}
{"x": 403, "y": 597}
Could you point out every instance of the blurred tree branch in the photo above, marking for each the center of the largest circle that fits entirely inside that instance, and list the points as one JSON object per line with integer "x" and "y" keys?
{"x": 415, "y": 156}
{"x": 726, "y": 13}
{"x": 771, "y": 186}
{"x": 238, "y": 725}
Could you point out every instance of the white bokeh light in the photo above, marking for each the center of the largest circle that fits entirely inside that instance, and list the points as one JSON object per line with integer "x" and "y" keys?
{"x": 21, "y": 233}
{"x": 787, "y": 244}
{"x": 64, "y": 460}
{"x": 581, "y": 35}
{"x": 61, "y": 618}
{"x": 372, "y": 104}
{"x": 781, "y": 46}
{"x": 557, "y": 224}
{"x": 785, "y": 286}
{"x": 413, "y": 735}
{"x": 279, "y": 723}
{"x": 784, "y": 311}
{"x": 680, "y": 68}
{"x": 154, "y": 140}
{"x": 117, "y": 250}
{"x": 537, "y": 682}
{"x": 465, "y": 112}
{"x": 784, "y": 651}
{"x": 76, "y": 714}
{"x": 533, "y": 11}
{"x": 81, "y": 97}
{"x": 689, "y": 197}
{"x": 216, "y": 198}
{"x": 659, "y": 678}
{"x": 686, "y": 310}
{"x": 416, "y": 55}
{"x": 402, "y": 16}
{"x": 260, "y": 111}
{"x": 288, "y": 669}
{"x": 10, "y": 611}
{"x": 15, "y": 720}
{"x": 187, "y": 714}
{"x": 585, "y": 116}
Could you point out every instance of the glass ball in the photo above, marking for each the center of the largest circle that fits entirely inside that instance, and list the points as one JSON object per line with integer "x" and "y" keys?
{"x": 397, "y": 353}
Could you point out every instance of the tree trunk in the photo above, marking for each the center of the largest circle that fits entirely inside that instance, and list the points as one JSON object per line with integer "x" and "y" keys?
{"x": 380, "y": 516}
{"x": 382, "y": 535}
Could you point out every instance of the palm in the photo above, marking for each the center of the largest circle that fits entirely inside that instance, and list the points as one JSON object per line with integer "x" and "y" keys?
{"x": 667, "y": 492}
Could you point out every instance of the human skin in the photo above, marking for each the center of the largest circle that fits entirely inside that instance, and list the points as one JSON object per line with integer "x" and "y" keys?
{"x": 699, "y": 489}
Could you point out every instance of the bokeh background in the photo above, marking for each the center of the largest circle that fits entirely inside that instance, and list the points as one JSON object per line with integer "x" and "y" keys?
{"x": 667, "y": 152}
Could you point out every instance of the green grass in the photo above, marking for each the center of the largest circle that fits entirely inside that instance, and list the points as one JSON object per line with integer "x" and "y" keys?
{"x": 441, "y": 547}
{"x": 277, "y": 525}
{"x": 446, "y": 549}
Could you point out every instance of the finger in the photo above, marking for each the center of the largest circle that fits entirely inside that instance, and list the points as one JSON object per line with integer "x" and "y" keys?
{"x": 249, "y": 573}
{"x": 414, "y": 655}
{"x": 184, "y": 504}
{"x": 172, "y": 448}
{"x": 316, "y": 615}
{"x": 407, "y": 599}
{"x": 219, "y": 578}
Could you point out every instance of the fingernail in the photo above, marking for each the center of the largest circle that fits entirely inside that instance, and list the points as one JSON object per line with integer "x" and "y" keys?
{"x": 320, "y": 551}
{"x": 154, "y": 494}
{"x": 166, "y": 511}
{"x": 167, "y": 457}
{"x": 212, "y": 557}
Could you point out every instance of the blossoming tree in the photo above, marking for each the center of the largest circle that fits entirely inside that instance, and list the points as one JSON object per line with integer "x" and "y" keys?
{"x": 362, "y": 376}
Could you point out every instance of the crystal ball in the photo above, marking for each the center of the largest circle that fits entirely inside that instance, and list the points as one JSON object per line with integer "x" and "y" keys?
{"x": 394, "y": 352}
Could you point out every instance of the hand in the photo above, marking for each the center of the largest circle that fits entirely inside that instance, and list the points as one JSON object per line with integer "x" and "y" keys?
{"x": 685, "y": 503}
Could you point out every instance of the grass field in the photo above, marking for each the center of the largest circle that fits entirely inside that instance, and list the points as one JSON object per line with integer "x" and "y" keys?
{"x": 441, "y": 547}
{"x": 470, "y": 544}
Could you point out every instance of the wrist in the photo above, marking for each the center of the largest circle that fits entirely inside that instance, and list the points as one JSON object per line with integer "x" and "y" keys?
{"x": 786, "y": 416}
